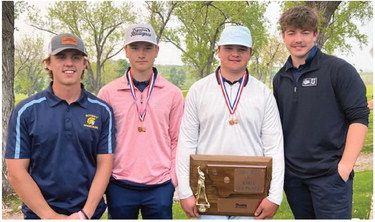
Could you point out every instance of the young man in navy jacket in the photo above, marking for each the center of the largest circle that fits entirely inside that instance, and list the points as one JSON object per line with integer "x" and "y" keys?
{"x": 323, "y": 109}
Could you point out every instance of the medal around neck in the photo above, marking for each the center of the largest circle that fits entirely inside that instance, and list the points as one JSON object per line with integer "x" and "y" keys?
{"x": 141, "y": 129}
{"x": 141, "y": 114}
{"x": 233, "y": 122}
{"x": 232, "y": 107}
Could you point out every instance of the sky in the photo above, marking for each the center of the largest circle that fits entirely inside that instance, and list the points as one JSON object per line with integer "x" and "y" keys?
{"x": 361, "y": 59}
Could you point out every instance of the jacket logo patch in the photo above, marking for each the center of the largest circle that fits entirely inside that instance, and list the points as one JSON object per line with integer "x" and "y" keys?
{"x": 90, "y": 121}
{"x": 307, "y": 82}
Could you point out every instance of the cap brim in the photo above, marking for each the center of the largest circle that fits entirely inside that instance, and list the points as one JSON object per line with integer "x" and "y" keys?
{"x": 56, "y": 51}
{"x": 130, "y": 42}
{"x": 235, "y": 43}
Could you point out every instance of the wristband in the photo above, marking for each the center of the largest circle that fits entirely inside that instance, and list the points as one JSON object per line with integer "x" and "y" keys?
{"x": 85, "y": 214}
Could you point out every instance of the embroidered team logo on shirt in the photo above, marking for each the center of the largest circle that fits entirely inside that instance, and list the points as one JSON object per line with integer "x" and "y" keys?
{"x": 310, "y": 82}
{"x": 90, "y": 121}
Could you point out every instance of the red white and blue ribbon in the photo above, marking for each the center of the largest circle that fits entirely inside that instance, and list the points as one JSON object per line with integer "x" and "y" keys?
{"x": 150, "y": 87}
{"x": 232, "y": 107}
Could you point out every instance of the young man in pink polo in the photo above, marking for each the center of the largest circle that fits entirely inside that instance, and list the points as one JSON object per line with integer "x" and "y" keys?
{"x": 148, "y": 111}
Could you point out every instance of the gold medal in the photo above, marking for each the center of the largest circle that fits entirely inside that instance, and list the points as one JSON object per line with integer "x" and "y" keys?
{"x": 232, "y": 106}
{"x": 141, "y": 114}
{"x": 233, "y": 122}
{"x": 141, "y": 129}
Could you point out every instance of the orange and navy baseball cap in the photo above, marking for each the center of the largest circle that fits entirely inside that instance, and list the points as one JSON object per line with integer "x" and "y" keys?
{"x": 65, "y": 41}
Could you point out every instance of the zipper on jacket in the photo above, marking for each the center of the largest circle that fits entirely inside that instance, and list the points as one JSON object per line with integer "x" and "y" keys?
{"x": 295, "y": 95}
{"x": 296, "y": 84}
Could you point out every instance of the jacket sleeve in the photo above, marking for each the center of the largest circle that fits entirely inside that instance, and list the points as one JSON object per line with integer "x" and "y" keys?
{"x": 351, "y": 94}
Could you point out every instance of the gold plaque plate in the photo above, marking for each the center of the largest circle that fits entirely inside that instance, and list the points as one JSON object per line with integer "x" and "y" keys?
{"x": 250, "y": 180}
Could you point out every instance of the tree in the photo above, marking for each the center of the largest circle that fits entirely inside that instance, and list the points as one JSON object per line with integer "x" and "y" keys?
{"x": 123, "y": 65}
{"x": 177, "y": 77}
{"x": 273, "y": 53}
{"x": 8, "y": 79}
{"x": 202, "y": 23}
{"x": 337, "y": 22}
{"x": 99, "y": 24}
{"x": 160, "y": 15}
{"x": 29, "y": 72}
{"x": 114, "y": 69}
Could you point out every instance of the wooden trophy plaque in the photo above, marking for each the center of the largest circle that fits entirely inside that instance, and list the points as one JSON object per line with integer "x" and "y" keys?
{"x": 229, "y": 185}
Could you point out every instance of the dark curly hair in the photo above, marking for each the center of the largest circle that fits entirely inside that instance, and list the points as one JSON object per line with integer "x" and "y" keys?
{"x": 302, "y": 17}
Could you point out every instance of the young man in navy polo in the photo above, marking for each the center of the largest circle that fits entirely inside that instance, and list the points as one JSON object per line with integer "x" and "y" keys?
{"x": 60, "y": 141}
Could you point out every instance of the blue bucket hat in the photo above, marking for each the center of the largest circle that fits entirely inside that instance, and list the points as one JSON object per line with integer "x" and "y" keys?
{"x": 236, "y": 35}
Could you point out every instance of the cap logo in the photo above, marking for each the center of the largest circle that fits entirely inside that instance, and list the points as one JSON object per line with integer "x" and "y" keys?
{"x": 141, "y": 31}
{"x": 69, "y": 40}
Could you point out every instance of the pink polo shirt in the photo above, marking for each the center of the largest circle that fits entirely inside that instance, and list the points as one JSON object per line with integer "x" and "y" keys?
{"x": 145, "y": 157}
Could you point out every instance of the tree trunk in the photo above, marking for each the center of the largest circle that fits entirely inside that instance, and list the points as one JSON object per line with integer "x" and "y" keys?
{"x": 98, "y": 81}
{"x": 91, "y": 78}
{"x": 328, "y": 8}
{"x": 8, "y": 79}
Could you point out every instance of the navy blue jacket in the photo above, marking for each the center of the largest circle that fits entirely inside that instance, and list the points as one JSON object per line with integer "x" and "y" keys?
{"x": 316, "y": 113}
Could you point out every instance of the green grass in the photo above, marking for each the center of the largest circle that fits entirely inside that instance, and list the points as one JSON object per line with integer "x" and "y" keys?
{"x": 362, "y": 188}
{"x": 369, "y": 91}
{"x": 178, "y": 213}
{"x": 284, "y": 211}
{"x": 369, "y": 142}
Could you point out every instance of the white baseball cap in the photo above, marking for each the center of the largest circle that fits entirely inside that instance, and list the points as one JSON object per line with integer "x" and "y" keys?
{"x": 236, "y": 35}
{"x": 140, "y": 33}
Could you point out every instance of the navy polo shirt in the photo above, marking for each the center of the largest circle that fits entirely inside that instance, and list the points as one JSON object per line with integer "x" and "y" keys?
{"x": 298, "y": 71}
{"x": 62, "y": 142}
{"x": 141, "y": 86}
